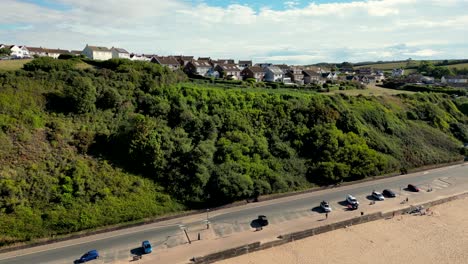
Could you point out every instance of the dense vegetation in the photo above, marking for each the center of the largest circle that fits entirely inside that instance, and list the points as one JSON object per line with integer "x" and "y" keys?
{"x": 82, "y": 148}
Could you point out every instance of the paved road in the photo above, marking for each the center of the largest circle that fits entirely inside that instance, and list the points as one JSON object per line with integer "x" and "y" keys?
{"x": 118, "y": 245}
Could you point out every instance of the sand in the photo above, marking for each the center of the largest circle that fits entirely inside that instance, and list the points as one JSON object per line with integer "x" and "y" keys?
{"x": 439, "y": 237}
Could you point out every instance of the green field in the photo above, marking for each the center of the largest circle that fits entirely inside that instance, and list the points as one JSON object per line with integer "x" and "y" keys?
{"x": 404, "y": 64}
{"x": 12, "y": 65}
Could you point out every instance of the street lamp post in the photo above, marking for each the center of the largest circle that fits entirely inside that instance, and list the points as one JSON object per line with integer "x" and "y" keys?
{"x": 207, "y": 219}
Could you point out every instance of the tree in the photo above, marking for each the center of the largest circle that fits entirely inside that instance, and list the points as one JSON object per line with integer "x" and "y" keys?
{"x": 82, "y": 95}
{"x": 5, "y": 52}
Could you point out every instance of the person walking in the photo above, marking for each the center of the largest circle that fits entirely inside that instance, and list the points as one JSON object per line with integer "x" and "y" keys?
{"x": 326, "y": 216}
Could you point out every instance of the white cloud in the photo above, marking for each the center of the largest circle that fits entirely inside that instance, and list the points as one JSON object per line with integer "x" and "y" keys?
{"x": 353, "y": 31}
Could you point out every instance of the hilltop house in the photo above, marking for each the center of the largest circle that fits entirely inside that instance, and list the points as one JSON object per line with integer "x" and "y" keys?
{"x": 118, "y": 53}
{"x": 97, "y": 53}
{"x": 197, "y": 67}
{"x": 273, "y": 74}
{"x": 17, "y": 51}
{"x": 254, "y": 72}
{"x": 138, "y": 57}
{"x": 169, "y": 62}
{"x": 39, "y": 52}
{"x": 229, "y": 71}
{"x": 311, "y": 76}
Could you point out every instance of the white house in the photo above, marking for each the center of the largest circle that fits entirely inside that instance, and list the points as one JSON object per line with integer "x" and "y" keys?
{"x": 273, "y": 74}
{"x": 97, "y": 53}
{"x": 137, "y": 57}
{"x": 17, "y": 51}
{"x": 454, "y": 79}
{"x": 398, "y": 72}
{"x": 118, "y": 53}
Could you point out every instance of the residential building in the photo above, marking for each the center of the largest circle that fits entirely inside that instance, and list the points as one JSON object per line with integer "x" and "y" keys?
{"x": 38, "y": 52}
{"x": 119, "y": 53}
{"x": 428, "y": 80}
{"x": 352, "y": 78}
{"x": 296, "y": 75}
{"x": 55, "y": 53}
{"x": 97, "y": 53}
{"x": 330, "y": 76}
{"x": 254, "y": 72}
{"x": 273, "y": 74}
{"x": 138, "y": 57}
{"x": 459, "y": 79}
{"x": 168, "y": 61}
{"x": 311, "y": 76}
{"x": 366, "y": 71}
{"x": 17, "y": 51}
{"x": 244, "y": 64}
{"x": 183, "y": 60}
{"x": 75, "y": 52}
{"x": 197, "y": 67}
{"x": 229, "y": 71}
{"x": 283, "y": 67}
{"x": 398, "y": 72}
{"x": 264, "y": 64}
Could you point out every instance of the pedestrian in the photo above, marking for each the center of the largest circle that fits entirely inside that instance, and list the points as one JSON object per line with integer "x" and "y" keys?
{"x": 362, "y": 213}
{"x": 326, "y": 216}
{"x": 407, "y": 199}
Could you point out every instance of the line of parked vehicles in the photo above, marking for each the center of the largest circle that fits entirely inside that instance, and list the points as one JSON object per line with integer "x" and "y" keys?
{"x": 352, "y": 204}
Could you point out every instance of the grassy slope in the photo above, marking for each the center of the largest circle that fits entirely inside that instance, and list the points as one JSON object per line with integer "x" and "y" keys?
{"x": 12, "y": 65}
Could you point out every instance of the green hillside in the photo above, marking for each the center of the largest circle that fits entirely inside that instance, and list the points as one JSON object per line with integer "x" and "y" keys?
{"x": 87, "y": 147}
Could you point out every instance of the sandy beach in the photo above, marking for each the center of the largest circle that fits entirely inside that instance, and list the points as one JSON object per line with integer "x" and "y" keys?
{"x": 441, "y": 236}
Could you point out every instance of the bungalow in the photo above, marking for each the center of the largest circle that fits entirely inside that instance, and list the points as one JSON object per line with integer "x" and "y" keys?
{"x": 137, "y": 57}
{"x": 229, "y": 71}
{"x": 97, "y": 53}
{"x": 118, "y": 53}
{"x": 197, "y": 67}
{"x": 55, "y": 53}
{"x": 38, "y": 52}
{"x": 273, "y": 74}
{"x": 311, "y": 76}
{"x": 254, "y": 72}
{"x": 169, "y": 62}
{"x": 428, "y": 80}
{"x": 460, "y": 79}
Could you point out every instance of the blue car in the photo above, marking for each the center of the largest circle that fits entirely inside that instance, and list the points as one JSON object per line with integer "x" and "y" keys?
{"x": 93, "y": 254}
{"x": 147, "y": 248}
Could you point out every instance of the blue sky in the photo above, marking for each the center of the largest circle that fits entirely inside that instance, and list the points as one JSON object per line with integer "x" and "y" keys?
{"x": 288, "y": 31}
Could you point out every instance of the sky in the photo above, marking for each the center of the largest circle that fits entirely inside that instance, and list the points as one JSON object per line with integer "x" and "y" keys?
{"x": 286, "y": 31}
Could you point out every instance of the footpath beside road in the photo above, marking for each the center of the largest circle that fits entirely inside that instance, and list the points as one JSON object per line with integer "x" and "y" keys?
{"x": 272, "y": 235}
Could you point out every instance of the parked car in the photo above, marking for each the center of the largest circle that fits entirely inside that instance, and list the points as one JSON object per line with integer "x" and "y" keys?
{"x": 88, "y": 256}
{"x": 388, "y": 193}
{"x": 262, "y": 220}
{"x": 325, "y": 206}
{"x": 353, "y": 206}
{"x": 378, "y": 196}
{"x": 147, "y": 248}
{"x": 351, "y": 199}
{"x": 413, "y": 188}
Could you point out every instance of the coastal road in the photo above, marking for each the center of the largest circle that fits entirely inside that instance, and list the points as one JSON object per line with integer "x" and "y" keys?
{"x": 119, "y": 245}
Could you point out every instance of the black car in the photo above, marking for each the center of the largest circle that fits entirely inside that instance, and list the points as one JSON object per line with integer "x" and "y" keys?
{"x": 388, "y": 193}
{"x": 413, "y": 188}
{"x": 262, "y": 220}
